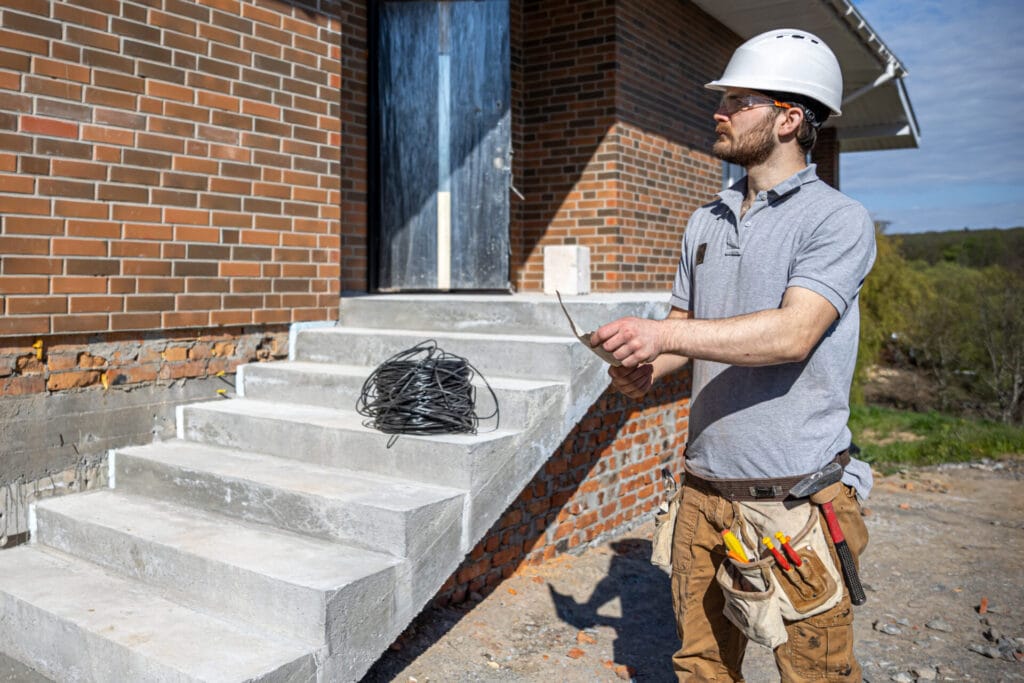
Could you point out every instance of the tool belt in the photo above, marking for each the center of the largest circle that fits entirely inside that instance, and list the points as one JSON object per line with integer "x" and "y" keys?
{"x": 750, "y": 490}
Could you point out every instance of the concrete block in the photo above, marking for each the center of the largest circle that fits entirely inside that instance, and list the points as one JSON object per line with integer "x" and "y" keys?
{"x": 339, "y": 386}
{"x": 338, "y": 438}
{"x": 294, "y": 585}
{"x": 567, "y": 269}
{"x": 376, "y": 513}
{"x": 75, "y": 622}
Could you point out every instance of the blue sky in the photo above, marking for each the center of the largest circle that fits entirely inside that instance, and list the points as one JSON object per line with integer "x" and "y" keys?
{"x": 966, "y": 84}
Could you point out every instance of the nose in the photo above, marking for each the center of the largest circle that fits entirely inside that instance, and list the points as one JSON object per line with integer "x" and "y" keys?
{"x": 720, "y": 116}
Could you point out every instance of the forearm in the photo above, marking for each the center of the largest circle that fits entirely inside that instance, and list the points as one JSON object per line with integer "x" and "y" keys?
{"x": 767, "y": 337}
{"x": 770, "y": 337}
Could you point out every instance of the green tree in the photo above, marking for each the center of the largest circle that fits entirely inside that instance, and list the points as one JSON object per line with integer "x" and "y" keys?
{"x": 891, "y": 293}
{"x": 968, "y": 331}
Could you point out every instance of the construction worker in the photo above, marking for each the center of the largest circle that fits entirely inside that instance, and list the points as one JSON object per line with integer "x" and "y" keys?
{"x": 765, "y": 303}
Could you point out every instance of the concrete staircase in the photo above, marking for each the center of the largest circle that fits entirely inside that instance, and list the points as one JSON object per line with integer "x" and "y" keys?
{"x": 277, "y": 538}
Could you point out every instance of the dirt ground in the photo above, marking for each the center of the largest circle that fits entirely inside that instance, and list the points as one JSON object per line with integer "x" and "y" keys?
{"x": 944, "y": 542}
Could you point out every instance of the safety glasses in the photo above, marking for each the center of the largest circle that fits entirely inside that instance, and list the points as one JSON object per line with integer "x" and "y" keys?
{"x": 733, "y": 104}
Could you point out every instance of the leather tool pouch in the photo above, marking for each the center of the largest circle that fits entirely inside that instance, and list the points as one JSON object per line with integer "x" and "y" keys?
{"x": 664, "y": 527}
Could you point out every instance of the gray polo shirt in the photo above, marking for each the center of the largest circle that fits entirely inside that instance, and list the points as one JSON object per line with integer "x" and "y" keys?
{"x": 788, "y": 419}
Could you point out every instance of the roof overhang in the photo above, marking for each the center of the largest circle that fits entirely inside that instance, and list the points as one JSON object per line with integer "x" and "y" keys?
{"x": 877, "y": 113}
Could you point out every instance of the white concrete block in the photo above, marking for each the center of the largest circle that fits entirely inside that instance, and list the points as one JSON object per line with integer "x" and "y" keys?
{"x": 567, "y": 269}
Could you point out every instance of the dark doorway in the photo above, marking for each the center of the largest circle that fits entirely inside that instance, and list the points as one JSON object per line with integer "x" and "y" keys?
{"x": 443, "y": 133}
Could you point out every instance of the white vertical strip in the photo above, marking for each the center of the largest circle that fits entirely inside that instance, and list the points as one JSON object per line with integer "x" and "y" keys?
{"x": 112, "y": 469}
{"x": 444, "y": 240}
{"x": 444, "y": 115}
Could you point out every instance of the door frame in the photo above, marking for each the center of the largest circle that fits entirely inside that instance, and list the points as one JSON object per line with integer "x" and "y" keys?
{"x": 373, "y": 168}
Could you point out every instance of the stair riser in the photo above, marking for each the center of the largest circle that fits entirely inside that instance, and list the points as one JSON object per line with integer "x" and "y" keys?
{"x": 266, "y": 382}
{"x": 492, "y": 356}
{"x": 399, "y": 533}
{"x": 294, "y": 611}
{"x": 538, "y": 316}
{"x": 447, "y": 464}
{"x": 63, "y": 651}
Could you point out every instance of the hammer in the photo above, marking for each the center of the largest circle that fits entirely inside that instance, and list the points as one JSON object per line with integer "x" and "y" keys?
{"x": 814, "y": 484}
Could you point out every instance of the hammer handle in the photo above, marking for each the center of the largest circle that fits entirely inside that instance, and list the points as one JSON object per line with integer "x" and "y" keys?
{"x": 850, "y": 575}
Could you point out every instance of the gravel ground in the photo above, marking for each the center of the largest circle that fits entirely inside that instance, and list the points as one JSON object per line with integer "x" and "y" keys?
{"x": 943, "y": 541}
{"x": 943, "y": 574}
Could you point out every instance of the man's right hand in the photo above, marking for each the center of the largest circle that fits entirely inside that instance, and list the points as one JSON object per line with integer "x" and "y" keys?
{"x": 633, "y": 382}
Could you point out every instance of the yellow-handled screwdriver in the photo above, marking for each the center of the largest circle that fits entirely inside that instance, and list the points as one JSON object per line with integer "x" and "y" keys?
{"x": 733, "y": 544}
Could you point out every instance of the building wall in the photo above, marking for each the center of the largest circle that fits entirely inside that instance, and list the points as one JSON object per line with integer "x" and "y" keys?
{"x": 170, "y": 179}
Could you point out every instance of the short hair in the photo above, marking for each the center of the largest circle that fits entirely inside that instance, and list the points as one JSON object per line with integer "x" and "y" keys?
{"x": 815, "y": 115}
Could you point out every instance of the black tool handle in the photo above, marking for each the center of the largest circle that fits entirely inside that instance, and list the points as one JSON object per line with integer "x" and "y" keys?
{"x": 850, "y": 575}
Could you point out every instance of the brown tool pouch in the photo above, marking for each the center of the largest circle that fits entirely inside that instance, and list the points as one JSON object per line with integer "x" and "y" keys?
{"x": 664, "y": 527}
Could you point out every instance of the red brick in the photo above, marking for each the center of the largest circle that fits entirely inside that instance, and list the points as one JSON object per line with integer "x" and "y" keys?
{"x": 51, "y": 127}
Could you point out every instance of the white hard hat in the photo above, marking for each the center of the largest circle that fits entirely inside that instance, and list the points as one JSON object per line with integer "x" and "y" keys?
{"x": 786, "y": 60}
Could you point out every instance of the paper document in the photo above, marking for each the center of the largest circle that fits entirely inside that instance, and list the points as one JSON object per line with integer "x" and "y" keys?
{"x": 584, "y": 337}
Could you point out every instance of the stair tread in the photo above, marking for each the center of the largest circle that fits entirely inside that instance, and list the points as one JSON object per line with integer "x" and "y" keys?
{"x": 130, "y": 614}
{"x": 343, "y": 485}
{"x": 362, "y": 371}
{"x": 554, "y": 339}
{"x": 292, "y": 558}
{"x": 335, "y": 418}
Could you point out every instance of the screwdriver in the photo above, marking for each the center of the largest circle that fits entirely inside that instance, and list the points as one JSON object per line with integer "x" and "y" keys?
{"x": 778, "y": 556}
{"x": 784, "y": 542}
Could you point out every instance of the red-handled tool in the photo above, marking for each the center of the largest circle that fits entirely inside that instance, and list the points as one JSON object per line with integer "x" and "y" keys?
{"x": 775, "y": 553}
{"x": 850, "y": 575}
{"x": 808, "y": 486}
{"x": 793, "y": 555}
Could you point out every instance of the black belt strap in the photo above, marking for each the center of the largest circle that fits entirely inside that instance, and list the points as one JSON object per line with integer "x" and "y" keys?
{"x": 748, "y": 490}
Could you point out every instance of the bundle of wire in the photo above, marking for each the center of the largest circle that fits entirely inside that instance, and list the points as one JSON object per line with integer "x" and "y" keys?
{"x": 421, "y": 391}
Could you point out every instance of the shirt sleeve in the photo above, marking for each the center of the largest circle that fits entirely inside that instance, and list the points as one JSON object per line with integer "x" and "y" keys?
{"x": 834, "y": 259}
{"x": 681, "y": 294}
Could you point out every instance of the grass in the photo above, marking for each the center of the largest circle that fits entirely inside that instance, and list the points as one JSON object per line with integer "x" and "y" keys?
{"x": 891, "y": 439}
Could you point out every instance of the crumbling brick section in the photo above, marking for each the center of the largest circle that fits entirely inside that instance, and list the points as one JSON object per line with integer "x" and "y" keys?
{"x": 168, "y": 165}
{"x": 604, "y": 479}
{"x": 127, "y": 360}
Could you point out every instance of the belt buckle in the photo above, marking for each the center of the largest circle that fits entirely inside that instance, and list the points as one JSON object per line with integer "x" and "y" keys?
{"x": 759, "y": 492}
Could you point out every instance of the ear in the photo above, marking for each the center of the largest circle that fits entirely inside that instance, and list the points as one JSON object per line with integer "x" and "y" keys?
{"x": 791, "y": 121}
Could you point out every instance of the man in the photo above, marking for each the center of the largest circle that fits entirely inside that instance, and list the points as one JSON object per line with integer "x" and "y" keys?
{"x": 765, "y": 304}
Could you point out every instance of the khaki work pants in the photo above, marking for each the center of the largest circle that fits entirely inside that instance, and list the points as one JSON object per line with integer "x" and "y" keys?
{"x": 819, "y": 648}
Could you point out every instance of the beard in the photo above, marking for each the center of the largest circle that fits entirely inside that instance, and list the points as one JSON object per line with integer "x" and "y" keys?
{"x": 751, "y": 150}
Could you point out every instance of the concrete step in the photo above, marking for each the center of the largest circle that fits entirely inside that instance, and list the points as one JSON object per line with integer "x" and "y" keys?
{"x": 303, "y": 588}
{"x": 531, "y": 356}
{"x": 377, "y": 513}
{"x": 73, "y": 621}
{"x": 339, "y": 438}
{"x": 520, "y": 401}
{"x": 526, "y": 313}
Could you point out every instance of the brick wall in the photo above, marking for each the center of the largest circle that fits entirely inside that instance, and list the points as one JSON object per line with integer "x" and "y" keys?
{"x": 167, "y": 168}
{"x": 169, "y": 203}
{"x": 354, "y": 145}
{"x": 826, "y": 155}
{"x": 616, "y": 128}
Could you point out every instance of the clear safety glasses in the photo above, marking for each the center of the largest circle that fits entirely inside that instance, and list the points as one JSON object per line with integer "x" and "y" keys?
{"x": 734, "y": 104}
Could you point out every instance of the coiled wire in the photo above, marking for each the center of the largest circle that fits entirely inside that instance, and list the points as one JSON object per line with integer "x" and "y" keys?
{"x": 422, "y": 391}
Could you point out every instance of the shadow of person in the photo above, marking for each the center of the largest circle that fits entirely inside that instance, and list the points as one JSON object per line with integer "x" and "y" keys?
{"x": 644, "y": 622}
